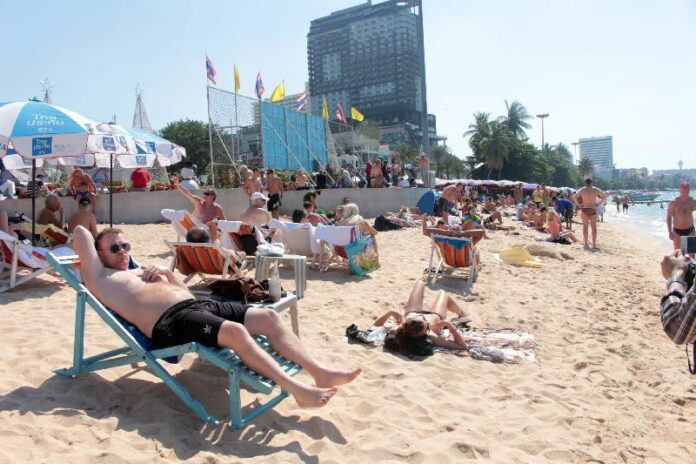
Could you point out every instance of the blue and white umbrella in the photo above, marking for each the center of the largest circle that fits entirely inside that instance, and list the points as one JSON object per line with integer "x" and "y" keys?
{"x": 37, "y": 130}
{"x": 147, "y": 147}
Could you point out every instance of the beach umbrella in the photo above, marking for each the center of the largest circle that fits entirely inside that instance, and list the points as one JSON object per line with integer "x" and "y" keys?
{"x": 40, "y": 131}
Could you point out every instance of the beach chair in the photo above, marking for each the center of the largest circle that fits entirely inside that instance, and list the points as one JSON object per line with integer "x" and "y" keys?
{"x": 181, "y": 220}
{"x": 238, "y": 236}
{"x": 49, "y": 232}
{"x": 298, "y": 239}
{"x": 332, "y": 245}
{"x": 19, "y": 263}
{"x": 139, "y": 348}
{"x": 458, "y": 253}
{"x": 193, "y": 259}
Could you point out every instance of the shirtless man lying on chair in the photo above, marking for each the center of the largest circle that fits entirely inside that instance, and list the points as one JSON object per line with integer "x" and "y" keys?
{"x": 158, "y": 303}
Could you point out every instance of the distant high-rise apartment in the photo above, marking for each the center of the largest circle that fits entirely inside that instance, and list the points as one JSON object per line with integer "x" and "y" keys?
{"x": 370, "y": 56}
{"x": 600, "y": 150}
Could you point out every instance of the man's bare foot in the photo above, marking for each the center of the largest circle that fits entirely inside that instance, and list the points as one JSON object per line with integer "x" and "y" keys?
{"x": 312, "y": 397}
{"x": 329, "y": 378}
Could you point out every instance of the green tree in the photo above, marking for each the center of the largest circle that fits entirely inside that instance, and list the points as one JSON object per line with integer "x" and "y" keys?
{"x": 193, "y": 136}
{"x": 516, "y": 119}
{"x": 452, "y": 166}
{"x": 408, "y": 154}
{"x": 585, "y": 167}
{"x": 437, "y": 154}
{"x": 496, "y": 147}
{"x": 478, "y": 131}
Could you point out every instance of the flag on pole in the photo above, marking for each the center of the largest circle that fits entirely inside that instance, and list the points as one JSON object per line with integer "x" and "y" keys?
{"x": 355, "y": 114}
{"x": 301, "y": 100}
{"x": 278, "y": 93}
{"x": 340, "y": 114}
{"x": 325, "y": 110}
{"x": 210, "y": 70}
{"x": 259, "y": 90}
{"x": 236, "y": 79}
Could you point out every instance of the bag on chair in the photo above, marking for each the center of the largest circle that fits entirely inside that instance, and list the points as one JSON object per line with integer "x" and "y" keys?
{"x": 361, "y": 255}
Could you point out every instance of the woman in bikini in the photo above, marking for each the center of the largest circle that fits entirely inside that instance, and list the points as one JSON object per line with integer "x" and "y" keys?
{"x": 417, "y": 330}
{"x": 82, "y": 186}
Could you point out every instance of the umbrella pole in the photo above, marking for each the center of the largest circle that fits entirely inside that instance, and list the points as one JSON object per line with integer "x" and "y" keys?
{"x": 111, "y": 190}
{"x": 33, "y": 201}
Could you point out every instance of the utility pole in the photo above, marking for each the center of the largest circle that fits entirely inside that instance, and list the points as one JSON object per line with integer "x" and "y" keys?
{"x": 542, "y": 117}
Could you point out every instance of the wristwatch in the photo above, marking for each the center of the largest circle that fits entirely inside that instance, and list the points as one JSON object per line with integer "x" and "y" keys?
{"x": 677, "y": 280}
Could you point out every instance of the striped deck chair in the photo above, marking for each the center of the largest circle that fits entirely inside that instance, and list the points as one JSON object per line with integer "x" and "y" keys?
{"x": 49, "y": 232}
{"x": 19, "y": 263}
{"x": 140, "y": 349}
{"x": 237, "y": 236}
{"x": 456, "y": 252}
{"x": 181, "y": 220}
{"x": 193, "y": 259}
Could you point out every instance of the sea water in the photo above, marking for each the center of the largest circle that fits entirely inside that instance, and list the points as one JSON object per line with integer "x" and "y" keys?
{"x": 652, "y": 219}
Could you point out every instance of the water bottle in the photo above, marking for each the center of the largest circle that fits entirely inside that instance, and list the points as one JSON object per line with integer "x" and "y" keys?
{"x": 274, "y": 283}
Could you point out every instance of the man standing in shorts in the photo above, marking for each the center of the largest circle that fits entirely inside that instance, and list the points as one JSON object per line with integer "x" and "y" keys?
{"x": 680, "y": 216}
{"x": 275, "y": 193}
{"x": 586, "y": 201}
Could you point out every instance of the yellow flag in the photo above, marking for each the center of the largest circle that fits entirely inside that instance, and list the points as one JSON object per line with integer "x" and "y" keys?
{"x": 325, "y": 110}
{"x": 278, "y": 93}
{"x": 355, "y": 114}
{"x": 236, "y": 79}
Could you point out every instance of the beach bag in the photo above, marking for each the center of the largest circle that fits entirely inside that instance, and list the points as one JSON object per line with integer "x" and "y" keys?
{"x": 361, "y": 255}
{"x": 244, "y": 289}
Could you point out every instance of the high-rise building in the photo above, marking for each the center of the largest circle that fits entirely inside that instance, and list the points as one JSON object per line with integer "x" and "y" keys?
{"x": 601, "y": 152}
{"x": 370, "y": 56}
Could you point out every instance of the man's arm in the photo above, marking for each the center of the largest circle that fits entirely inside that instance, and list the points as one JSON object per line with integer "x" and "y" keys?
{"x": 93, "y": 225}
{"x": 154, "y": 273}
{"x": 189, "y": 196}
{"x": 220, "y": 213}
{"x": 670, "y": 217}
{"x": 91, "y": 265}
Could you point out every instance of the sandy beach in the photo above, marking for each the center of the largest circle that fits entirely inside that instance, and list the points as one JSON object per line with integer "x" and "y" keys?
{"x": 608, "y": 386}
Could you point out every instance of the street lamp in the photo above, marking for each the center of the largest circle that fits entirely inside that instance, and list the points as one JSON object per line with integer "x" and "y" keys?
{"x": 575, "y": 146}
{"x": 542, "y": 117}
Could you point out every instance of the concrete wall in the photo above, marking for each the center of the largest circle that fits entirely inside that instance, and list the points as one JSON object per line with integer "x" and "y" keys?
{"x": 145, "y": 207}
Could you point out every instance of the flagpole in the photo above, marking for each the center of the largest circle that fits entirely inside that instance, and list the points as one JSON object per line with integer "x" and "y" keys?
{"x": 261, "y": 130}
{"x": 210, "y": 139}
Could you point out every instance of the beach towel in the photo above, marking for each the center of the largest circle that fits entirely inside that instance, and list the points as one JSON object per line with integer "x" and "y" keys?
{"x": 335, "y": 235}
{"x": 519, "y": 256}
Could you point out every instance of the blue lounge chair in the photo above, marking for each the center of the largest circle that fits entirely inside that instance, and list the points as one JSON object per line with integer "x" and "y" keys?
{"x": 140, "y": 348}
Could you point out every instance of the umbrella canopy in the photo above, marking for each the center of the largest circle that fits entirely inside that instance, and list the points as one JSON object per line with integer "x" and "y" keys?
{"x": 37, "y": 130}
{"x": 146, "y": 147}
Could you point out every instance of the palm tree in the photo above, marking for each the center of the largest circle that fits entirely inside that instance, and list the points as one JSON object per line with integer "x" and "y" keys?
{"x": 478, "y": 131}
{"x": 516, "y": 119}
{"x": 407, "y": 153}
{"x": 496, "y": 147}
{"x": 437, "y": 154}
{"x": 585, "y": 167}
{"x": 563, "y": 152}
{"x": 452, "y": 166}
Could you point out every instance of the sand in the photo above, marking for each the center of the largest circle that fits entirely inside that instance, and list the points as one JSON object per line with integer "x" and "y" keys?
{"x": 609, "y": 386}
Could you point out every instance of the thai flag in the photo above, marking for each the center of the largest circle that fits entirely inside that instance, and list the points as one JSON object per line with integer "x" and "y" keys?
{"x": 301, "y": 100}
{"x": 340, "y": 114}
{"x": 260, "y": 89}
{"x": 210, "y": 70}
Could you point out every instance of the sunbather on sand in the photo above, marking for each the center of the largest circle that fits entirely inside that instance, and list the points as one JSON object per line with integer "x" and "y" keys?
{"x": 555, "y": 229}
{"x": 156, "y": 301}
{"x": 418, "y": 328}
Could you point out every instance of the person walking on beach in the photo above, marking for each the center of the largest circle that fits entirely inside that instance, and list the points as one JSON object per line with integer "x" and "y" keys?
{"x": 518, "y": 193}
{"x": 680, "y": 216}
{"x": 157, "y": 302}
{"x": 624, "y": 204}
{"x": 586, "y": 199}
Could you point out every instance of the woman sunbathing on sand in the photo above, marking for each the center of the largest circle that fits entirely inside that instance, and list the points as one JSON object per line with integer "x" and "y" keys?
{"x": 553, "y": 224}
{"x": 417, "y": 332}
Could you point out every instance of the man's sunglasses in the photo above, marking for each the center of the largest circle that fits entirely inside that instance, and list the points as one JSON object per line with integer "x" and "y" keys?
{"x": 116, "y": 247}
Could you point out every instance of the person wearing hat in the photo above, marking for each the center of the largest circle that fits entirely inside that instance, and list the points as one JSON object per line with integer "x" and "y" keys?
{"x": 680, "y": 216}
{"x": 205, "y": 209}
{"x": 84, "y": 217}
{"x": 257, "y": 214}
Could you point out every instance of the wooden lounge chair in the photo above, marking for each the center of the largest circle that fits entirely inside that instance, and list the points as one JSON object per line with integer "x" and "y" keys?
{"x": 181, "y": 220}
{"x": 457, "y": 253}
{"x": 138, "y": 348}
{"x": 193, "y": 259}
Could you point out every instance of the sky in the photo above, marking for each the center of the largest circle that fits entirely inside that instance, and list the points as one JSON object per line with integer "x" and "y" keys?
{"x": 625, "y": 68}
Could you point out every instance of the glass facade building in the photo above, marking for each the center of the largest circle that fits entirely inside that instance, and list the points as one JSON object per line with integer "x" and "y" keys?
{"x": 369, "y": 57}
{"x": 600, "y": 151}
